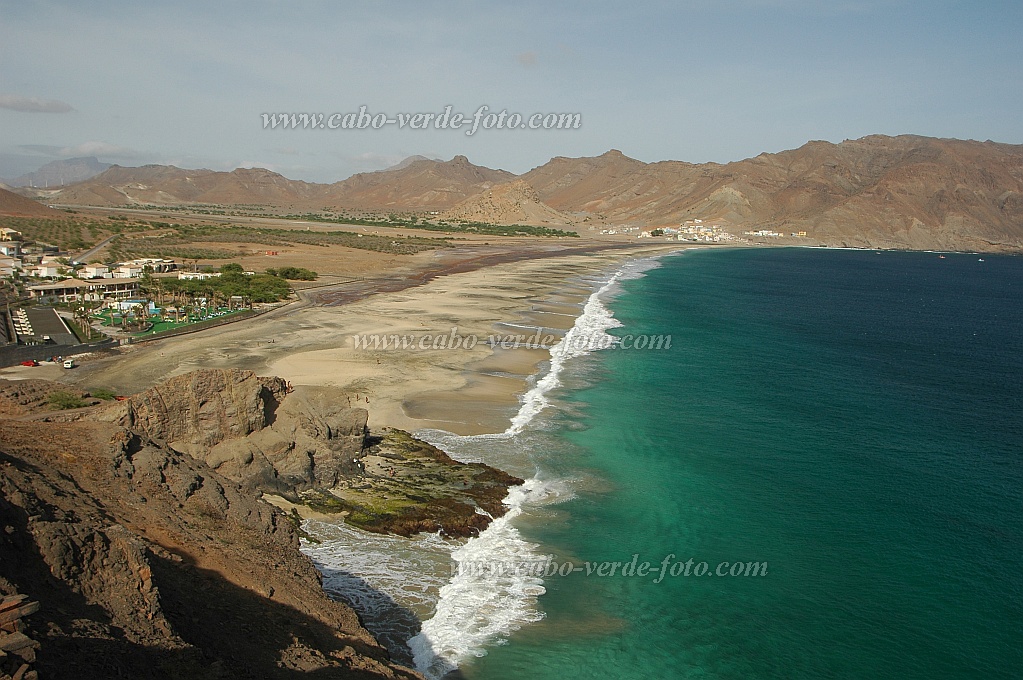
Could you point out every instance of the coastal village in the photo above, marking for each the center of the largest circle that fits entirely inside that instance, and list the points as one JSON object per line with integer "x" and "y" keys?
{"x": 56, "y": 304}
{"x": 699, "y": 231}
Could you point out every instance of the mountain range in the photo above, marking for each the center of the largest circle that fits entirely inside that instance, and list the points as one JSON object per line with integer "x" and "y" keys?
{"x": 877, "y": 191}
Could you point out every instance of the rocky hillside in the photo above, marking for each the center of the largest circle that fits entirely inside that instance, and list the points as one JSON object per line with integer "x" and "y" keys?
{"x": 509, "y": 203}
{"x": 420, "y": 185}
{"x": 146, "y": 563}
{"x": 140, "y": 527}
{"x": 18, "y": 206}
{"x": 168, "y": 185}
{"x": 897, "y": 192}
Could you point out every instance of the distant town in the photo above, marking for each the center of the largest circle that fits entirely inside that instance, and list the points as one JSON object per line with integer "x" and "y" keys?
{"x": 698, "y": 231}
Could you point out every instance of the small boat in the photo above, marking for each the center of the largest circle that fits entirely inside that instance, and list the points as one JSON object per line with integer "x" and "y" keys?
{"x": 980, "y": 259}
{"x": 941, "y": 257}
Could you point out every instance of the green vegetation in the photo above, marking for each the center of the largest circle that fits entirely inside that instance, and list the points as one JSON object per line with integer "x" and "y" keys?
{"x": 103, "y": 393}
{"x": 183, "y": 238}
{"x": 148, "y": 238}
{"x": 68, "y": 233}
{"x": 657, "y": 232}
{"x": 83, "y": 331}
{"x": 232, "y": 282}
{"x": 63, "y": 400}
{"x": 293, "y": 273}
{"x": 415, "y": 222}
{"x": 406, "y": 220}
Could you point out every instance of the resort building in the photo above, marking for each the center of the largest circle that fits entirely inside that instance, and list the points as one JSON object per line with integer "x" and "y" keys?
{"x": 72, "y": 290}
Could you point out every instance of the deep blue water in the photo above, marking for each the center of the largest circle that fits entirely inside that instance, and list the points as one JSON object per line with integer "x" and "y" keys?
{"x": 854, "y": 420}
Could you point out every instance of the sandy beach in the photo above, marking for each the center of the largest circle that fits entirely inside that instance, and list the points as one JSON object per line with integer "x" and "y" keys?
{"x": 466, "y": 391}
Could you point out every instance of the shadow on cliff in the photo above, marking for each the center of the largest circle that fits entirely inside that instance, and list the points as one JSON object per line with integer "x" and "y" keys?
{"x": 392, "y": 624}
{"x": 232, "y": 632}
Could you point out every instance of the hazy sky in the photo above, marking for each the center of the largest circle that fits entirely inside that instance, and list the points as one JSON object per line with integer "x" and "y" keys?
{"x": 186, "y": 82}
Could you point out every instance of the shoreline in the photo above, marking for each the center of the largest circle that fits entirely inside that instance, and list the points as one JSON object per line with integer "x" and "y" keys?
{"x": 464, "y": 391}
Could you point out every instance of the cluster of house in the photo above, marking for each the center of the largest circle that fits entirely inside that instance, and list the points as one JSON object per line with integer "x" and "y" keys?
{"x": 92, "y": 282}
{"x": 694, "y": 231}
{"x": 774, "y": 234}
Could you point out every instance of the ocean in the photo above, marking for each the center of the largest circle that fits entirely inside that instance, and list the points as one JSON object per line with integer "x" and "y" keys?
{"x": 820, "y": 477}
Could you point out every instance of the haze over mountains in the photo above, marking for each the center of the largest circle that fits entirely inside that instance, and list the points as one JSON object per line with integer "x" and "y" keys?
{"x": 878, "y": 191}
{"x": 61, "y": 173}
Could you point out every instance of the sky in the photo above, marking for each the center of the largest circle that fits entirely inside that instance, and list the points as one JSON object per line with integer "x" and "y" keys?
{"x": 187, "y": 83}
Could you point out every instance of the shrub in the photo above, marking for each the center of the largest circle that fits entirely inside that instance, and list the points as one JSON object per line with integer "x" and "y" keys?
{"x": 63, "y": 400}
{"x": 103, "y": 393}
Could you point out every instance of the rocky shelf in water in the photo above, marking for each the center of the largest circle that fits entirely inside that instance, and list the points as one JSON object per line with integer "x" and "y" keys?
{"x": 405, "y": 486}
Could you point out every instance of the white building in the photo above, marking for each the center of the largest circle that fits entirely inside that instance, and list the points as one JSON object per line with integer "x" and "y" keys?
{"x": 72, "y": 290}
{"x": 127, "y": 271}
{"x": 96, "y": 271}
{"x": 197, "y": 276}
{"x": 157, "y": 265}
{"x": 46, "y": 271}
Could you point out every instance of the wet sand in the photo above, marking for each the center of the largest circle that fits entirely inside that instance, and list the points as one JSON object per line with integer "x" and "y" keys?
{"x": 484, "y": 294}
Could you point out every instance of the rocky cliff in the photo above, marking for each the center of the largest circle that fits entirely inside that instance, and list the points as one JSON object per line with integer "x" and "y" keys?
{"x": 251, "y": 429}
{"x": 147, "y": 563}
{"x": 140, "y": 527}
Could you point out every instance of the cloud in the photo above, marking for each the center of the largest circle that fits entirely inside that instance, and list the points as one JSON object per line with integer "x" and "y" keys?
{"x": 526, "y": 58}
{"x": 98, "y": 149}
{"x": 375, "y": 161}
{"x": 16, "y": 102}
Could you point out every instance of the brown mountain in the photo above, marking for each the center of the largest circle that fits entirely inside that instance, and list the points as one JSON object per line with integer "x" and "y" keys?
{"x": 19, "y": 206}
{"x": 62, "y": 172}
{"x": 417, "y": 185}
{"x": 509, "y": 203}
{"x": 420, "y": 185}
{"x": 168, "y": 185}
{"x": 903, "y": 192}
{"x": 909, "y": 192}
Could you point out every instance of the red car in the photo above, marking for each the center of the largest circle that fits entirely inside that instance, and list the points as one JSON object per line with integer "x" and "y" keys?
{"x": 30, "y": 362}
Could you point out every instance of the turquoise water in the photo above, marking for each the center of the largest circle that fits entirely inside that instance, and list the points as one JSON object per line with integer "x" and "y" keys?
{"x": 851, "y": 419}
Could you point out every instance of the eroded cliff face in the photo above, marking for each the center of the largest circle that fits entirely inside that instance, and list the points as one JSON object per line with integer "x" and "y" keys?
{"x": 148, "y": 563}
{"x": 140, "y": 526}
{"x": 251, "y": 429}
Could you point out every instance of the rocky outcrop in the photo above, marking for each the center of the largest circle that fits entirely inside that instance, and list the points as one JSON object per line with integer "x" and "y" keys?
{"x": 200, "y": 409}
{"x": 147, "y": 563}
{"x": 307, "y": 446}
{"x": 406, "y": 486}
{"x": 250, "y": 429}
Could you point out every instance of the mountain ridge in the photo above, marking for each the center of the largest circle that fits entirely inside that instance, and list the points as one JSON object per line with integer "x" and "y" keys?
{"x": 907, "y": 191}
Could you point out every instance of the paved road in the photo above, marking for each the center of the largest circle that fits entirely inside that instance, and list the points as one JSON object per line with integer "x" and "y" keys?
{"x": 84, "y": 257}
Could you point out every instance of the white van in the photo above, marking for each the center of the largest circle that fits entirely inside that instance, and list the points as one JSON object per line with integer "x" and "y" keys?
{"x": 69, "y": 363}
